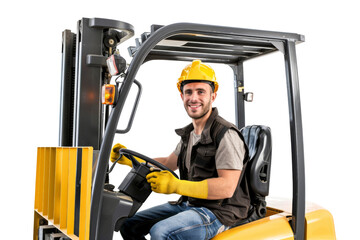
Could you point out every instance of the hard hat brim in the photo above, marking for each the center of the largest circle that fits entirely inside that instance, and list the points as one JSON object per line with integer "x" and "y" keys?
{"x": 212, "y": 84}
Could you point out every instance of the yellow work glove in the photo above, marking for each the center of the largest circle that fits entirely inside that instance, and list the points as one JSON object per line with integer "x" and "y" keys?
{"x": 165, "y": 182}
{"x": 114, "y": 155}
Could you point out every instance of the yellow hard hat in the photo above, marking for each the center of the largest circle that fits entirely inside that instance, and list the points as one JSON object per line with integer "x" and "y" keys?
{"x": 197, "y": 72}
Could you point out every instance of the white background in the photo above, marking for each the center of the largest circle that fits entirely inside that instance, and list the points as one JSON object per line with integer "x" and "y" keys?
{"x": 329, "y": 83}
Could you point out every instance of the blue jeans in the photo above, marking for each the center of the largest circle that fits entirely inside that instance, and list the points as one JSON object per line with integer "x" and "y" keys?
{"x": 176, "y": 222}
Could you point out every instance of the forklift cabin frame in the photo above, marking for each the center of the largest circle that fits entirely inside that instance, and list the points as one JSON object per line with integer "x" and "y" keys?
{"x": 183, "y": 42}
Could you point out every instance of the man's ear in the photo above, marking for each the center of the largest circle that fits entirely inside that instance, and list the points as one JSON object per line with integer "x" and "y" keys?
{"x": 213, "y": 96}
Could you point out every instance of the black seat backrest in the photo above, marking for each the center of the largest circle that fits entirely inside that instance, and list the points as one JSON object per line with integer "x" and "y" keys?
{"x": 258, "y": 140}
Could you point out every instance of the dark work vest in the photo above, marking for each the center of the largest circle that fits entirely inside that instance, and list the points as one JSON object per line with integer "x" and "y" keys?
{"x": 202, "y": 166}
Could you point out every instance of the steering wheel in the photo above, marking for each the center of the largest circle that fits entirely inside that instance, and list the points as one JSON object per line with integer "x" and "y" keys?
{"x": 131, "y": 154}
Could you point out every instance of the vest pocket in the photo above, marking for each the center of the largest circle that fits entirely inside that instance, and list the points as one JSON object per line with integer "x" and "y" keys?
{"x": 204, "y": 163}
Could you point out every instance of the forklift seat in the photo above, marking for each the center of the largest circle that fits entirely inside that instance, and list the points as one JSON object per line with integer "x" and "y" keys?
{"x": 258, "y": 140}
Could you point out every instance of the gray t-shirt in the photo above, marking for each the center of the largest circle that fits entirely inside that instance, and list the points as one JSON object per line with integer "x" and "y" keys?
{"x": 229, "y": 155}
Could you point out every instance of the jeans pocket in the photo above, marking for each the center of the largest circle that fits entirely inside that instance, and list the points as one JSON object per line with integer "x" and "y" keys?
{"x": 212, "y": 225}
{"x": 207, "y": 216}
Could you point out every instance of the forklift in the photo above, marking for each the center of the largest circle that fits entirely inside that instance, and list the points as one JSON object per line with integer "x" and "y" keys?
{"x": 74, "y": 198}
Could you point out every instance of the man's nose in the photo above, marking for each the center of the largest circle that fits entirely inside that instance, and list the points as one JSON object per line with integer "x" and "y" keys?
{"x": 194, "y": 97}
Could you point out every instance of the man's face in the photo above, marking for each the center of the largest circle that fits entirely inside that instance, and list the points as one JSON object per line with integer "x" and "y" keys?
{"x": 198, "y": 98}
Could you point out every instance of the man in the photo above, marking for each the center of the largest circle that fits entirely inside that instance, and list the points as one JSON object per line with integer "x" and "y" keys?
{"x": 209, "y": 157}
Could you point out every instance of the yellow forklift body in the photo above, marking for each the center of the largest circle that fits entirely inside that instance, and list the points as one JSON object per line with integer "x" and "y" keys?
{"x": 319, "y": 224}
{"x": 273, "y": 227}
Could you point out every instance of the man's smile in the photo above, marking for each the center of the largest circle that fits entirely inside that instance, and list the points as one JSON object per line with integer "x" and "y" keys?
{"x": 194, "y": 106}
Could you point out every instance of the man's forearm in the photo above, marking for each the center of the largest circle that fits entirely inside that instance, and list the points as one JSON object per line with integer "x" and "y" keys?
{"x": 223, "y": 186}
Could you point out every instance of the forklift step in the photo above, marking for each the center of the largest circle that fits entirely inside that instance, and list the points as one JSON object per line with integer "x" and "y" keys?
{"x": 45, "y": 231}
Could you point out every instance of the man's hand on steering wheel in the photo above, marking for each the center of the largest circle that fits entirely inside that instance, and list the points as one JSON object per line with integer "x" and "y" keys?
{"x": 114, "y": 156}
{"x": 129, "y": 157}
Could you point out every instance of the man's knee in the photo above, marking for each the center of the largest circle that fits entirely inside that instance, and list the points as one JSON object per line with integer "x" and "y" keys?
{"x": 125, "y": 229}
{"x": 130, "y": 230}
{"x": 160, "y": 231}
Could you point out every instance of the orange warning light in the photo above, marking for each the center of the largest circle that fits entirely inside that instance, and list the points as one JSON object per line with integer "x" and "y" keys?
{"x": 108, "y": 94}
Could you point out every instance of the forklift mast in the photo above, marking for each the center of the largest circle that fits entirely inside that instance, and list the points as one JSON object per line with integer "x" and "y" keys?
{"x": 84, "y": 72}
